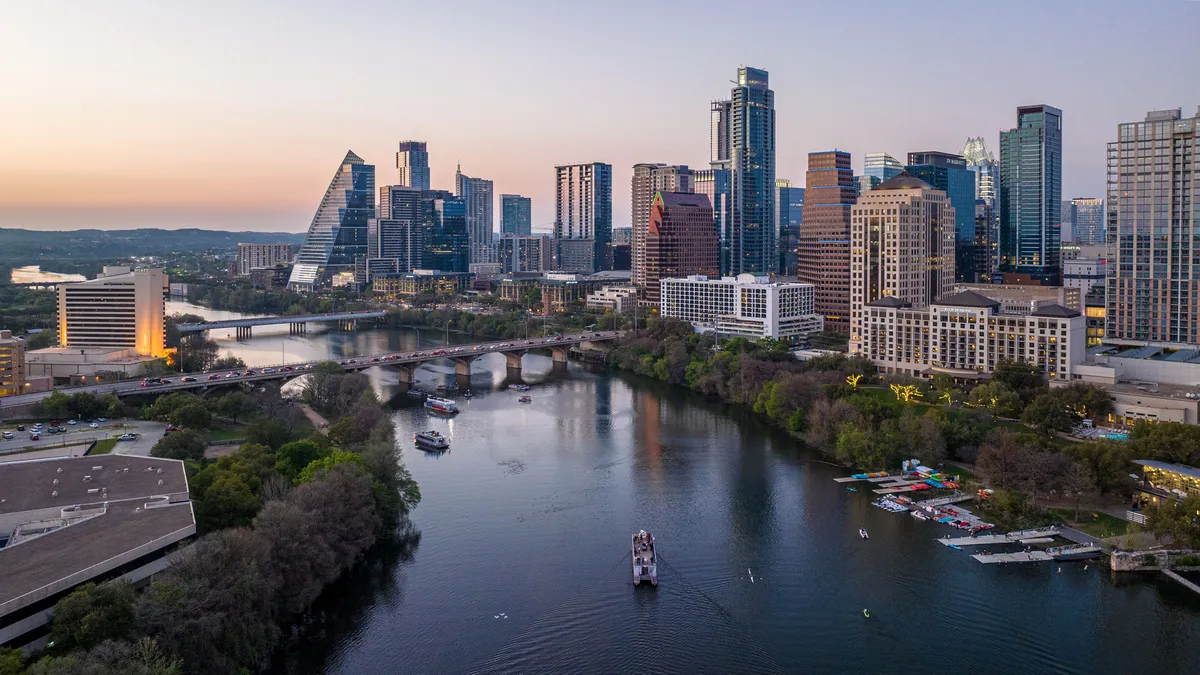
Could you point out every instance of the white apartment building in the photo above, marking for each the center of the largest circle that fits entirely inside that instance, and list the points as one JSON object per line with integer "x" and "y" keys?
{"x": 617, "y": 299}
{"x": 119, "y": 309}
{"x": 1085, "y": 273}
{"x": 743, "y": 306}
{"x": 966, "y": 335}
{"x": 254, "y": 256}
{"x": 901, "y": 246}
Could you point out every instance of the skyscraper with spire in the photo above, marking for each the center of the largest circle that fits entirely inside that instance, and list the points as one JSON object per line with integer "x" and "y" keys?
{"x": 338, "y": 232}
{"x": 477, "y": 193}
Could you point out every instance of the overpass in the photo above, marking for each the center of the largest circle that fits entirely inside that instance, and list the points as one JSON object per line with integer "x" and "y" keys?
{"x": 406, "y": 363}
{"x": 297, "y": 323}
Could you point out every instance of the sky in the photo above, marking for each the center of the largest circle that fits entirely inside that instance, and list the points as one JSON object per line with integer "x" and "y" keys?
{"x": 234, "y": 115}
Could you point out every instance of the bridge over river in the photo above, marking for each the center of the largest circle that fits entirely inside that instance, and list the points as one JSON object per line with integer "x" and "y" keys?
{"x": 296, "y": 323}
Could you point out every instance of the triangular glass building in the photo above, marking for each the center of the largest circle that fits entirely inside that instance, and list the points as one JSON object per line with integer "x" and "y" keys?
{"x": 338, "y": 233}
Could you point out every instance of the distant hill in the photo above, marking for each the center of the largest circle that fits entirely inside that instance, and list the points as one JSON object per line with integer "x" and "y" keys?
{"x": 83, "y": 244}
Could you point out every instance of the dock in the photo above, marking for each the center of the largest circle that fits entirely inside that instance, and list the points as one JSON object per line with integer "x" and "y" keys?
{"x": 996, "y": 558}
{"x": 1038, "y": 536}
{"x": 945, "y": 501}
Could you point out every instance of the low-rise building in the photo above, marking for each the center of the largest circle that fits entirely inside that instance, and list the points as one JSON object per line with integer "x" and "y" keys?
{"x": 743, "y": 306}
{"x": 1023, "y": 299}
{"x": 618, "y": 299}
{"x": 1094, "y": 312}
{"x": 65, "y": 522}
{"x": 966, "y": 334}
{"x": 562, "y": 291}
{"x": 422, "y": 282}
{"x": 1174, "y": 480}
{"x": 270, "y": 277}
{"x": 12, "y": 364}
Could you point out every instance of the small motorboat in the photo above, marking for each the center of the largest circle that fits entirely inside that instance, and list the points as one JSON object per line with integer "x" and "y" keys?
{"x": 431, "y": 440}
{"x": 467, "y": 394}
{"x": 862, "y": 532}
{"x": 525, "y": 399}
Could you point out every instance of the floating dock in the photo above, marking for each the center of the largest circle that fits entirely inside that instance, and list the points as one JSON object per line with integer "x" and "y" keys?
{"x": 1021, "y": 537}
{"x": 996, "y": 558}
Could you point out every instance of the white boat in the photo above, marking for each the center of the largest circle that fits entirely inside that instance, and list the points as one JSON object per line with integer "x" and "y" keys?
{"x": 519, "y": 387}
{"x": 919, "y": 515}
{"x": 862, "y": 532}
{"x": 441, "y": 405}
{"x": 645, "y": 559}
{"x": 431, "y": 439}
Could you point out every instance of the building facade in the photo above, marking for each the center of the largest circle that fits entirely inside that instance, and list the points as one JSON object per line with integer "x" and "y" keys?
{"x": 476, "y": 193}
{"x": 680, "y": 240}
{"x": 119, "y": 309}
{"x": 743, "y": 306}
{"x": 412, "y": 165}
{"x": 877, "y": 167}
{"x": 1085, "y": 273}
{"x": 525, "y": 254}
{"x": 1088, "y": 219}
{"x": 901, "y": 246}
{"x": 516, "y": 215}
{"x": 398, "y": 233}
{"x": 823, "y": 259}
{"x": 965, "y": 335}
{"x": 747, "y": 147}
{"x": 12, "y": 364}
{"x": 1025, "y": 299}
{"x": 445, "y": 238}
{"x": 716, "y": 184}
{"x": 1030, "y": 195}
{"x": 616, "y": 299}
{"x": 583, "y": 217}
{"x": 421, "y": 282}
{"x": 981, "y": 162}
{"x": 254, "y": 256}
{"x": 949, "y": 173}
{"x": 789, "y": 214}
{"x": 649, "y": 179}
{"x": 338, "y": 233}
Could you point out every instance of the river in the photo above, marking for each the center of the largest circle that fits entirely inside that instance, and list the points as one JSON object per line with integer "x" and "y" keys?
{"x": 522, "y": 564}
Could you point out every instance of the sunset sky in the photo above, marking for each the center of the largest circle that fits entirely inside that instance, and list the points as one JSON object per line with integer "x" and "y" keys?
{"x": 233, "y": 115}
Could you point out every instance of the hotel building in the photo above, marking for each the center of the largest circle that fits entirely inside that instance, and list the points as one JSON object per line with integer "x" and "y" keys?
{"x": 743, "y": 306}
{"x": 119, "y": 309}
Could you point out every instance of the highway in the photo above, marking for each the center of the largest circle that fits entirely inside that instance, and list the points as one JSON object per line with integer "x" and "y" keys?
{"x": 289, "y": 370}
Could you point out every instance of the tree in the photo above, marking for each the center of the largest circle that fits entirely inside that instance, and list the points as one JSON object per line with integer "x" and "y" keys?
{"x": 1049, "y": 412}
{"x": 185, "y": 444}
{"x": 320, "y": 466}
{"x": 1079, "y": 483}
{"x": 291, "y": 458}
{"x": 272, "y": 433}
{"x": 45, "y": 338}
{"x": 853, "y": 379}
{"x": 905, "y": 392}
{"x": 1020, "y": 377}
{"x": 914, "y": 436}
{"x": 321, "y": 386}
{"x": 234, "y": 404}
{"x": 192, "y": 416}
{"x": 228, "y": 502}
{"x": 164, "y": 406}
{"x": 825, "y": 422}
{"x": 995, "y": 397}
{"x": 93, "y": 613}
{"x": 1087, "y": 401}
{"x": 1004, "y": 458}
{"x": 1168, "y": 442}
{"x": 85, "y": 405}
{"x": 228, "y": 362}
{"x": 11, "y": 661}
{"x": 57, "y": 404}
{"x": 1179, "y": 520}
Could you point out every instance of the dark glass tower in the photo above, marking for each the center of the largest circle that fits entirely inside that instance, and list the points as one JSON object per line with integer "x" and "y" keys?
{"x": 1030, "y": 195}
{"x": 338, "y": 233}
{"x": 750, "y": 116}
{"x": 515, "y": 215}
{"x": 949, "y": 173}
{"x": 447, "y": 244}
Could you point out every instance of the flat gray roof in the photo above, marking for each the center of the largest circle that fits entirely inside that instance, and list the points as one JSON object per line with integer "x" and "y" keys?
{"x": 38, "y": 568}
{"x": 29, "y": 485}
{"x": 1181, "y": 469}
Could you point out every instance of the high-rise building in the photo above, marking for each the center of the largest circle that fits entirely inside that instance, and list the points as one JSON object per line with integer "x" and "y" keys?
{"x": 748, "y": 145}
{"x": 398, "y": 233}
{"x": 1154, "y": 230}
{"x": 742, "y": 306}
{"x": 477, "y": 193}
{"x": 789, "y": 213}
{"x": 254, "y": 256}
{"x": 717, "y": 185}
{"x": 525, "y": 254}
{"x": 1088, "y": 219}
{"x": 12, "y": 364}
{"x": 119, "y": 309}
{"x": 338, "y": 233}
{"x": 681, "y": 240}
{"x": 516, "y": 215}
{"x": 981, "y": 162}
{"x": 412, "y": 165}
{"x": 622, "y": 235}
{"x": 649, "y": 179}
{"x": 881, "y": 166}
{"x": 1066, "y": 232}
{"x": 949, "y": 173}
{"x": 583, "y": 217}
{"x": 445, "y": 237}
{"x": 985, "y": 243}
{"x": 902, "y": 246}
{"x": 1030, "y": 195}
{"x": 823, "y": 259}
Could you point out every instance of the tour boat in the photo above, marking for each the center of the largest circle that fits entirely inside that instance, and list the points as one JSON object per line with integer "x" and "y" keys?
{"x": 441, "y": 405}
{"x": 431, "y": 439}
{"x": 645, "y": 559}
{"x": 525, "y": 399}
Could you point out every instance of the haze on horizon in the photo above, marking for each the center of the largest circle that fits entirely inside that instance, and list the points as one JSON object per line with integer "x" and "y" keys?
{"x": 228, "y": 115}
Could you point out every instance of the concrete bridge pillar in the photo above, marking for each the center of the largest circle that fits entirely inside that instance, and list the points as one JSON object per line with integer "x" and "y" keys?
{"x": 462, "y": 365}
{"x": 297, "y": 328}
{"x": 513, "y": 359}
{"x": 595, "y": 346}
{"x": 407, "y": 375}
{"x": 559, "y": 354}
{"x": 244, "y": 332}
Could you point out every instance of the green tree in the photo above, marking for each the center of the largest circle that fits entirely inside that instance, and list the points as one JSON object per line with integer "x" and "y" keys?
{"x": 185, "y": 444}
{"x": 164, "y": 406}
{"x": 93, "y": 613}
{"x": 996, "y": 398}
{"x": 11, "y": 661}
{"x": 57, "y": 404}
{"x": 1087, "y": 401}
{"x": 42, "y": 340}
{"x": 1167, "y": 442}
{"x": 85, "y": 405}
{"x": 1020, "y": 377}
{"x": 291, "y": 458}
{"x": 1179, "y": 520}
{"x": 228, "y": 502}
{"x": 234, "y": 405}
{"x": 320, "y": 466}
{"x": 272, "y": 433}
{"x": 1048, "y": 411}
{"x": 192, "y": 416}
{"x": 228, "y": 362}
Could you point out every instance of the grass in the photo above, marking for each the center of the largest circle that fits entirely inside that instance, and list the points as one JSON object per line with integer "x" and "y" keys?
{"x": 104, "y": 446}
{"x": 1100, "y": 525}
{"x": 226, "y": 432}
{"x": 965, "y": 474}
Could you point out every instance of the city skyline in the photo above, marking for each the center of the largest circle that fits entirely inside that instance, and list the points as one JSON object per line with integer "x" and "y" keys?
{"x": 219, "y": 124}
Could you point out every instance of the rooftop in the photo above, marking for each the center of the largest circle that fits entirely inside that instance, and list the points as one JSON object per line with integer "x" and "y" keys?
{"x": 59, "y": 483}
{"x": 1055, "y": 312}
{"x": 889, "y": 301}
{"x": 1182, "y": 469}
{"x": 903, "y": 181}
{"x": 966, "y": 299}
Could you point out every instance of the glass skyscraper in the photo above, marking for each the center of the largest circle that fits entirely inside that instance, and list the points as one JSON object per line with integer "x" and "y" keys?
{"x": 515, "y": 215}
{"x": 746, "y": 125}
{"x": 789, "y": 213}
{"x": 881, "y": 166}
{"x": 823, "y": 257}
{"x": 583, "y": 217}
{"x": 1088, "y": 217}
{"x": 445, "y": 237}
{"x": 981, "y": 162}
{"x": 1030, "y": 195}
{"x": 412, "y": 165}
{"x": 477, "y": 193}
{"x": 338, "y": 232}
{"x": 949, "y": 173}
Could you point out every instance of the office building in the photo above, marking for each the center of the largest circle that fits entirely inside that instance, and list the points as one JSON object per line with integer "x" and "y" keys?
{"x": 789, "y": 213}
{"x": 516, "y": 215}
{"x": 649, "y": 179}
{"x": 877, "y": 167}
{"x": 12, "y": 364}
{"x": 966, "y": 334}
{"x": 398, "y": 233}
{"x": 902, "y": 247}
{"x": 949, "y": 173}
{"x": 622, "y": 235}
{"x": 254, "y": 256}
{"x": 421, "y": 282}
{"x": 716, "y": 183}
{"x": 746, "y": 145}
{"x": 622, "y": 255}
{"x": 616, "y": 299}
{"x": 583, "y": 217}
{"x": 985, "y": 244}
{"x": 445, "y": 238}
{"x": 525, "y": 254}
{"x": 412, "y": 165}
{"x": 68, "y": 521}
{"x": 1088, "y": 219}
{"x": 1085, "y": 273}
{"x": 119, "y": 309}
{"x": 1030, "y": 195}
{"x": 743, "y": 306}
{"x": 1067, "y": 230}
{"x": 824, "y": 254}
{"x": 981, "y": 162}
{"x": 1153, "y": 230}
{"x": 476, "y": 193}
{"x": 680, "y": 240}
{"x": 338, "y": 233}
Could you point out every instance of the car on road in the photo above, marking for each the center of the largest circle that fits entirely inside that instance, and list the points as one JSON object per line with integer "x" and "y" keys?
{"x": 375, "y": 360}
{"x": 230, "y": 376}
{"x": 248, "y": 373}
{"x": 72, "y": 422}
{"x": 187, "y": 379}
{"x": 20, "y": 427}
{"x": 352, "y": 361}
{"x": 93, "y": 425}
{"x": 164, "y": 382}
{"x": 34, "y": 437}
{"x": 288, "y": 369}
{"x": 53, "y": 430}
{"x": 169, "y": 429}
{"x": 127, "y": 437}
{"x": 268, "y": 371}
{"x": 215, "y": 376}
{"x": 151, "y": 381}
{"x": 7, "y": 435}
